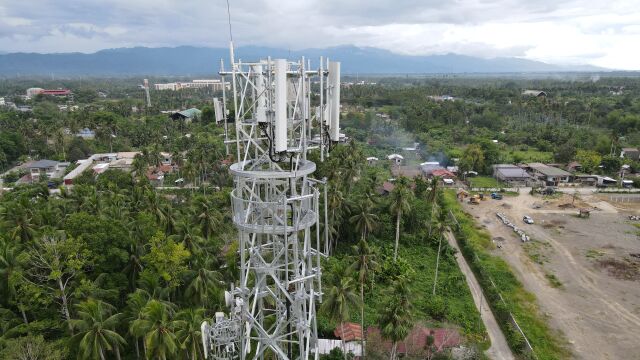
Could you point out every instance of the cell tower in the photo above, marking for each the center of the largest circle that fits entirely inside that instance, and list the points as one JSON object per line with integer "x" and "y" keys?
{"x": 276, "y": 208}
{"x": 146, "y": 92}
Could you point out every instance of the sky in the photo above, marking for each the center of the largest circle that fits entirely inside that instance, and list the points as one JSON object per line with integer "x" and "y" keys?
{"x": 601, "y": 33}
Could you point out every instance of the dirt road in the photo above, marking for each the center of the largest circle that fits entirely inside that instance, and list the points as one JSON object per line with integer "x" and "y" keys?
{"x": 499, "y": 349}
{"x": 599, "y": 314}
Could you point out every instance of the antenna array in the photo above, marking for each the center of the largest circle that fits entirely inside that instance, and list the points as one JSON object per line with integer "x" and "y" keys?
{"x": 276, "y": 208}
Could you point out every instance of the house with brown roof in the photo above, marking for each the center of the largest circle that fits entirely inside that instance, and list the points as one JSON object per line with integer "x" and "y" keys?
{"x": 418, "y": 340}
{"x": 443, "y": 173}
{"x": 348, "y": 331}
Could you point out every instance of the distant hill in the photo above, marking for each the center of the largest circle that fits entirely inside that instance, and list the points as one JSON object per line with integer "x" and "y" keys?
{"x": 187, "y": 60}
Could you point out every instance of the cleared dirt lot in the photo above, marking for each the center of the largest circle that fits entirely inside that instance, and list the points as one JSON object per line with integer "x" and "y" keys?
{"x": 584, "y": 272}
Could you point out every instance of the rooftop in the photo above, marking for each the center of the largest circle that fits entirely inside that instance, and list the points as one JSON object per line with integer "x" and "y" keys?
{"x": 189, "y": 113}
{"x": 352, "y": 331}
{"x": 512, "y": 172}
{"x": 416, "y": 341}
{"x": 548, "y": 170}
{"x": 43, "y": 164}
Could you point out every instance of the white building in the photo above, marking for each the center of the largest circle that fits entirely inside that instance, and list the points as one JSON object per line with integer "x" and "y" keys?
{"x": 2, "y": 103}
{"x": 396, "y": 158}
{"x": 31, "y": 92}
{"x": 214, "y": 84}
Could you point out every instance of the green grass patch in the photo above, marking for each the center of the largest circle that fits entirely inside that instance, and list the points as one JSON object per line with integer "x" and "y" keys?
{"x": 594, "y": 254}
{"x": 499, "y": 283}
{"x": 536, "y": 251}
{"x": 553, "y": 280}
{"x": 531, "y": 155}
{"x": 483, "y": 182}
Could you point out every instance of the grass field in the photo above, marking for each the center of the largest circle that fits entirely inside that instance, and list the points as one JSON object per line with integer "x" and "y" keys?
{"x": 484, "y": 182}
{"x": 531, "y": 155}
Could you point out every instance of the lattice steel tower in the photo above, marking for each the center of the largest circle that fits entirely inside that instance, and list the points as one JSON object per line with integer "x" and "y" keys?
{"x": 278, "y": 119}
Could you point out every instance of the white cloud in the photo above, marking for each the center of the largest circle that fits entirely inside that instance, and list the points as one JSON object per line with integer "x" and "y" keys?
{"x": 558, "y": 31}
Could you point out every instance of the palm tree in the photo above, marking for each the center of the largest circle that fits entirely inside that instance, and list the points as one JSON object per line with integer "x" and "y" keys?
{"x": 363, "y": 265}
{"x": 432, "y": 197}
{"x": 396, "y": 316}
{"x": 19, "y": 220}
{"x": 335, "y": 204}
{"x": 95, "y": 330}
{"x": 364, "y": 219}
{"x": 156, "y": 325}
{"x": 188, "y": 236}
{"x": 206, "y": 216}
{"x": 10, "y": 273}
{"x": 188, "y": 333}
{"x": 136, "y": 303}
{"x": 337, "y": 306}
{"x": 203, "y": 284}
{"x": 400, "y": 203}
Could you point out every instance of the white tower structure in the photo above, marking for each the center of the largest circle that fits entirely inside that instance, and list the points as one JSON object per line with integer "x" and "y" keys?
{"x": 275, "y": 202}
{"x": 146, "y": 92}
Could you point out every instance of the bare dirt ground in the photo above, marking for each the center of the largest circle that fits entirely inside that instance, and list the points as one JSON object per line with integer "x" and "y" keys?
{"x": 585, "y": 273}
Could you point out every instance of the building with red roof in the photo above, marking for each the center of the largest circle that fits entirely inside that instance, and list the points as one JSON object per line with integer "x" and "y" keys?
{"x": 416, "y": 342}
{"x": 443, "y": 173}
{"x": 348, "y": 332}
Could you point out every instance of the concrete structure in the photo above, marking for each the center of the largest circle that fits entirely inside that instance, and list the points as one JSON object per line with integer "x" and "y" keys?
{"x": 630, "y": 153}
{"x": 549, "y": 174}
{"x": 412, "y": 148}
{"x": 82, "y": 166}
{"x": 86, "y": 134}
{"x": 441, "y": 98}
{"x": 512, "y": 175}
{"x": 2, "y": 102}
{"x": 100, "y": 163}
{"x": 49, "y": 168}
{"x": 396, "y": 159}
{"x": 326, "y": 345}
{"x": 31, "y": 92}
{"x": 214, "y": 84}
{"x": 372, "y": 160}
{"x": 350, "y": 335}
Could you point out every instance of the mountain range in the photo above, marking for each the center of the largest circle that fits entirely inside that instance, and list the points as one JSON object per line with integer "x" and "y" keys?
{"x": 191, "y": 61}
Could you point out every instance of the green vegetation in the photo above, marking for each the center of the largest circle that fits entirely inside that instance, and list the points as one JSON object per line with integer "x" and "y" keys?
{"x": 498, "y": 283}
{"x": 484, "y": 182}
{"x": 553, "y": 280}
{"x": 594, "y": 254}
{"x": 132, "y": 270}
{"x": 365, "y": 261}
{"x": 536, "y": 250}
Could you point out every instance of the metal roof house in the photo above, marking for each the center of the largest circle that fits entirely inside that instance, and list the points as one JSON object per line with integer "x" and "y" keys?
{"x": 511, "y": 174}
{"x": 549, "y": 174}
{"x": 52, "y": 169}
{"x": 188, "y": 114}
